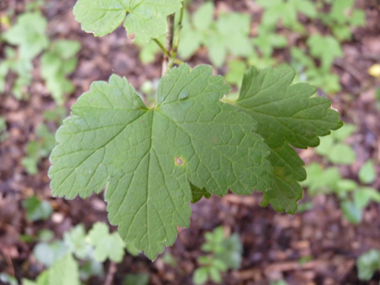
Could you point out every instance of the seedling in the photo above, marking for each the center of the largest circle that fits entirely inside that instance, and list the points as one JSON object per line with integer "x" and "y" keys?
{"x": 228, "y": 35}
{"x": 225, "y": 253}
{"x": 334, "y": 148}
{"x": 353, "y": 198}
{"x": 367, "y": 264}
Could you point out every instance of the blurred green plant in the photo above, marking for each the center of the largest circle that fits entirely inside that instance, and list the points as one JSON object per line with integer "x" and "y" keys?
{"x": 341, "y": 17}
{"x": 225, "y": 253}
{"x": 229, "y": 34}
{"x": 333, "y": 147}
{"x": 91, "y": 249}
{"x": 29, "y": 36}
{"x": 353, "y": 197}
{"x": 38, "y": 148}
{"x": 37, "y": 209}
{"x": 367, "y": 264}
{"x": 3, "y": 129}
{"x": 56, "y": 64}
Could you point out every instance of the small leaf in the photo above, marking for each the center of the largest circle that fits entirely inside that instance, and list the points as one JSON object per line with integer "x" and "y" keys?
{"x": 341, "y": 154}
{"x": 344, "y": 132}
{"x": 49, "y": 253}
{"x": 106, "y": 245}
{"x": 364, "y": 195}
{"x": 136, "y": 279}
{"x": 326, "y": 48}
{"x": 367, "y": 173}
{"x": 29, "y": 35}
{"x": 200, "y": 275}
{"x": 37, "y": 209}
{"x": 75, "y": 242}
{"x": 351, "y": 212}
{"x": 367, "y": 264}
{"x": 146, "y": 19}
{"x": 64, "y": 272}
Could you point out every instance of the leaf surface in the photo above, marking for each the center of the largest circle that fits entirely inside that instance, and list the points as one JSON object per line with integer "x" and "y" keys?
{"x": 147, "y": 157}
{"x": 106, "y": 245}
{"x": 145, "y": 19}
{"x": 286, "y": 115}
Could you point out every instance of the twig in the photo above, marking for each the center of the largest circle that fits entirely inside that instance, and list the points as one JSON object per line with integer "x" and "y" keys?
{"x": 110, "y": 273}
{"x": 176, "y": 40}
{"x": 169, "y": 43}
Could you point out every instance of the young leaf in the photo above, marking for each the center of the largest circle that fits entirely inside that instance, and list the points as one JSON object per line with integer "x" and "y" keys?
{"x": 367, "y": 173}
{"x": 75, "y": 242}
{"x": 64, "y": 272}
{"x": 146, "y": 19}
{"x": 286, "y": 115}
{"x": 106, "y": 245}
{"x": 326, "y": 48}
{"x": 147, "y": 157}
{"x": 29, "y": 35}
{"x": 367, "y": 264}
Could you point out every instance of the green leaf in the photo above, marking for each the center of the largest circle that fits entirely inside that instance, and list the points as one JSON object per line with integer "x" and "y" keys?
{"x": 286, "y": 114}
{"x": 232, "y": 254}
{"x": 147, "y": 156}
{"x": 229, "y": 34}
{"x": 146, "y": 19}
{"x": 286, "y": 11}
{"x": 215, "y": 275}
{"x": 364, "y": 195}
{"x": 344, "y": 132}
{"x": 367, "y": 264}
{"x": 29, "y": 35}
{"x": 321, "y": 181}
{"x": 341, "y": 154}
{"x": 136, "y": 279}
{"x": 64, "y": 272}
{"x": 236, "y": 70}
{"x": 367, "y": 173}
{"x": 106, "y": 245}
{"x": 204, "y": 16}
{"x": 76, "y": 243}
{"x": 351, "y": 212}
{"x": 66, "y": 49}
{"x": 326, "y": 48}
{"x": 37, "y": 209}
{"x": 58, "y": 63}
{"x": 200, "y": 275}
{"x": 49, "y": 253}
{"x": 198, "y": 193}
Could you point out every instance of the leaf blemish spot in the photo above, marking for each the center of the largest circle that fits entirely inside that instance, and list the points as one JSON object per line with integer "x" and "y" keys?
{"x": 178, "y": 161}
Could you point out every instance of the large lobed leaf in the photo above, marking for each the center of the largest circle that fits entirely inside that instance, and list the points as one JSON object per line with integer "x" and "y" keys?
{"x": 145, "y": 19}
{"x": 286, "y": 115}
{"x": 147, "y": 157}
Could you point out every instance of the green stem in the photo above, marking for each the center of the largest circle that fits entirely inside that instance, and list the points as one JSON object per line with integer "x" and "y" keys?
{"x": 164, "y": 50}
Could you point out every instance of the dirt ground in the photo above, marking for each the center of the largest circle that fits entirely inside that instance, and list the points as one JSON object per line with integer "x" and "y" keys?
{"x": 273, "y": 243}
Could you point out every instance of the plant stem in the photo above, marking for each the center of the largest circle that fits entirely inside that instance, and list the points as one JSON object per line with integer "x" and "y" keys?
{"x": 110, "y": 274}
{"x": 164, "y": 50}
{"x": 169, "y": 43}
{"x": 174, "y": 49}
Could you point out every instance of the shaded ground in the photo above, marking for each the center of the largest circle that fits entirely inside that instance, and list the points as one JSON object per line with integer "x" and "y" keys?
{"x": 273, "y": 243}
